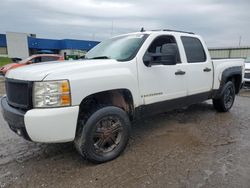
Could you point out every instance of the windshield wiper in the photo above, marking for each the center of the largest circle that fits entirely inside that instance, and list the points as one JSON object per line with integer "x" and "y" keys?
{"x": 100, "y": 57}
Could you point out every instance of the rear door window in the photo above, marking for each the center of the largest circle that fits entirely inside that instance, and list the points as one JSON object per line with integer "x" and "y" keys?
{"x": 194, "y": 50}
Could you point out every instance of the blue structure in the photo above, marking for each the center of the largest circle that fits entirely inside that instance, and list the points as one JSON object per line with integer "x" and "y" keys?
{"x": 52, "y": 44}
{"x": 3, "y": 42}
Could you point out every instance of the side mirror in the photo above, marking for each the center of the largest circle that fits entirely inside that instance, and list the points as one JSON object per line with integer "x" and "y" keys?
{"x": 147, "y": 59}
{"x": 159, "y": 59}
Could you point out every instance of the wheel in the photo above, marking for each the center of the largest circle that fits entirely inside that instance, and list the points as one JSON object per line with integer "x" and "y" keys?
{"x": 225, "y": 102}
{"x": 105, "y": 135}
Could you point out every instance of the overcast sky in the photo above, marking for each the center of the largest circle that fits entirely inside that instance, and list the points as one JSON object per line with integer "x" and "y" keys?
{"x": 220, "y": 22}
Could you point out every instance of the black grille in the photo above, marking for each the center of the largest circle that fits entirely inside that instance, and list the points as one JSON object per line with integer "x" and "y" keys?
{"x": 247, "y": 75}
{"x": 19, "y": 93}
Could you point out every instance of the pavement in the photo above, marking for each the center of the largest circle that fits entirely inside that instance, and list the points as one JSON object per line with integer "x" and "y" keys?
{"x": 193, "y": 147}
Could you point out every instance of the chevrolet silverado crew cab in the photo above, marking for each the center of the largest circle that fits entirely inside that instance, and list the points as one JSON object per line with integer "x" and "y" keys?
{"x": 93, "y": 101}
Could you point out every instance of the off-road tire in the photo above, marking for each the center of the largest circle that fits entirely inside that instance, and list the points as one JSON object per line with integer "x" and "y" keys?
{"x": 225, "y": 102}
{"x": 84, "y": 140}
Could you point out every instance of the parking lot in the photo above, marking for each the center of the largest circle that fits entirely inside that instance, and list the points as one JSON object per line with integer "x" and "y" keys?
{"x": 193, "y": 147}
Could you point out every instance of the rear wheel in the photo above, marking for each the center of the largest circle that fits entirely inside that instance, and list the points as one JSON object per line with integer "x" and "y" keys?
{"x": 104, "y": 135}
{"x": 225, "y": 102}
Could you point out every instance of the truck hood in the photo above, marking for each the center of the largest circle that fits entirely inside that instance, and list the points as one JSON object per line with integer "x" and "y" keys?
{"x": 39, "y": 71}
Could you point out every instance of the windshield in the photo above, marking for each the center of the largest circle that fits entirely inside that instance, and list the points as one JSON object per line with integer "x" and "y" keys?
{"x": 122, "y": 48}
{"x": 25, "y": 60}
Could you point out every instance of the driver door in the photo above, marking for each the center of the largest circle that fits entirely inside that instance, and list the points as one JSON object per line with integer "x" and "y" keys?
{"x": 161, "y": 84}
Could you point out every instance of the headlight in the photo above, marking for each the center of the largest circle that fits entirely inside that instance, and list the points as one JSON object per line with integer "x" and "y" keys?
{"x": 51, "y": 94}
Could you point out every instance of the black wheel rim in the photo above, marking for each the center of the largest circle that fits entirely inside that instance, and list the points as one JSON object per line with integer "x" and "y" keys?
{"x": 107, "y": 135}
{"x": 229, "y": 97}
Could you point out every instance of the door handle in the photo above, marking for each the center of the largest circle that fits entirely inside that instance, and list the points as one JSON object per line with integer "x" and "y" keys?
{"x": 206, "y": 69}
{"x": 180, "y": 72}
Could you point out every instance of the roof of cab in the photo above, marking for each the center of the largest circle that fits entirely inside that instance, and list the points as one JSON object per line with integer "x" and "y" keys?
{"x": 142, "y": 31}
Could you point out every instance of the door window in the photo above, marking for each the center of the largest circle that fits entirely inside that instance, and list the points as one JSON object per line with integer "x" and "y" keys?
{"x": 194, "y": 50}
{"x": 36, "y": 60}
{"x": 162, "y": 47}
{"x": 49, "y": 58}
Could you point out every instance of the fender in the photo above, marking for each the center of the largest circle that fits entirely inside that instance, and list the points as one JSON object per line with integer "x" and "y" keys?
{"x": 225, "y": 76}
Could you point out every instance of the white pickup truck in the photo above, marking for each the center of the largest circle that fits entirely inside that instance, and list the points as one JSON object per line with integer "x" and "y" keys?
{"x": 93, "y": 101}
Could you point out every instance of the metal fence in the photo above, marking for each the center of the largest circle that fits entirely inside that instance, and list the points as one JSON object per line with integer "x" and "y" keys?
{"x": 233, "y": 52}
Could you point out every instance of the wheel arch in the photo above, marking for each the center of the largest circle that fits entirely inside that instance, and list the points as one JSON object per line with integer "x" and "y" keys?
{"x": 121, "y": 98}
{"x": 233, "y": 74}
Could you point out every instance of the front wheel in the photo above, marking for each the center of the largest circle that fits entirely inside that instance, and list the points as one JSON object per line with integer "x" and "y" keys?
{"x": 105, "y": 134}
{"x": 225, "y": 102}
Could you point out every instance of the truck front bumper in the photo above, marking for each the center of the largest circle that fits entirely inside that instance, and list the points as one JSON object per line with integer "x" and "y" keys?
{"x": 52, "y": 125}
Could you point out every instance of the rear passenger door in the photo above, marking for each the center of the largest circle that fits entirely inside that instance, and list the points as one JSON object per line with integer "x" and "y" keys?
{"x": 199, "y": 66}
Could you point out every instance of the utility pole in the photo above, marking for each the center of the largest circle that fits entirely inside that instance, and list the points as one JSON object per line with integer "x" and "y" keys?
{"x": 239, "y": 41}
{"x": 112, "y": 27}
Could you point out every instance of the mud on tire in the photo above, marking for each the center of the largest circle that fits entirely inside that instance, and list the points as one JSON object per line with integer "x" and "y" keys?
{"x": 104, "y": 135}
{"x": 225, "y": 102}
